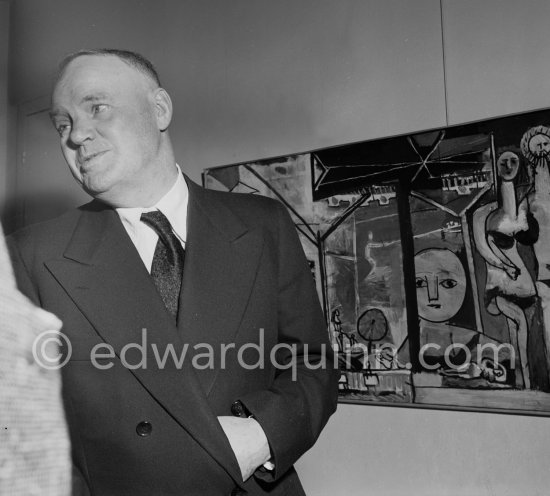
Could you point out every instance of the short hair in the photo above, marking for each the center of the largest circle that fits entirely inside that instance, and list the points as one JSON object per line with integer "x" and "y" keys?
{"x": 133, "y": 59}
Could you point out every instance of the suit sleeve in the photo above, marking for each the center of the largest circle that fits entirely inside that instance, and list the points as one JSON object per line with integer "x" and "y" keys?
{"x": 294, "y": 410}
{"x": 21, "y": 272}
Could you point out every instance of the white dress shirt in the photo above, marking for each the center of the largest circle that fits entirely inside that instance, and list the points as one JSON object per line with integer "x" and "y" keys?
{"x": 173, "y": 205}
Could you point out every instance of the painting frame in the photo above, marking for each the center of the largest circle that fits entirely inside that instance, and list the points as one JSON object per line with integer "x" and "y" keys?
{"x": 458, "y": 212}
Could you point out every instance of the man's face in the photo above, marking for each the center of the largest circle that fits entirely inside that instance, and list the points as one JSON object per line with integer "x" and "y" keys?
{"x": 104, "y": 112}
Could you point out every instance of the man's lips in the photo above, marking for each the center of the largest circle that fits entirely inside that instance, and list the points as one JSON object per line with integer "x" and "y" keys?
{"x": 85, "y": 159}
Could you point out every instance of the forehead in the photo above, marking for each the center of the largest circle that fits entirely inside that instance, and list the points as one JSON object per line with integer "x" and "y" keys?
{"x": 539, "y": 139}
{"x": 105, "y": 74}
{"x": 440, "y": 261}
{"x": 508, "y": 156}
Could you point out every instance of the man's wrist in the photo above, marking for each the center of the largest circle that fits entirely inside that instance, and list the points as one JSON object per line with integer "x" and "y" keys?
{"x": 239, "y": 409}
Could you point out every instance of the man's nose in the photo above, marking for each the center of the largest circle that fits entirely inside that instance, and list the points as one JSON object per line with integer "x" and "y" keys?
{"x": 81, "y": 131}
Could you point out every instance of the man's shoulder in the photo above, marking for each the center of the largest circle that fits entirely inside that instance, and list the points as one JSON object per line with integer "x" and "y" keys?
{"x": 252, "y": 210}
{"x": 251, "y": 207}
{"x": 49, "y": 234}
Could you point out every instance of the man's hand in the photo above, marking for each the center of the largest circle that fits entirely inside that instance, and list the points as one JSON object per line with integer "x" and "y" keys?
{"x": 248, "y": 441}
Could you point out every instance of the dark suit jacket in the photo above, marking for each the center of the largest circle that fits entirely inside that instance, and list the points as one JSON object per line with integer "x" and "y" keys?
{"x": 245, "y": 276}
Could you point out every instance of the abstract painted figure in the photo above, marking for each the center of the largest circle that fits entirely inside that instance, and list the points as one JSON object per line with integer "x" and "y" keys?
{"x": 535, "y": 146}
{"x": 441, "y": 287}
{"x": 440, "y": 293}
{"x": 509, "y": 287}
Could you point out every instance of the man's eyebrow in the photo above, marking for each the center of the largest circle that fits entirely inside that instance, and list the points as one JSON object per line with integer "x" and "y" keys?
{"x": 53, "y": 113}
{"x": 94, "y": 97}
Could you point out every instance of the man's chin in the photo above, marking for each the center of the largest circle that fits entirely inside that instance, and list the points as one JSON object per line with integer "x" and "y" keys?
{"x": 98, "y": 190}
{"x": 110, "y": 196}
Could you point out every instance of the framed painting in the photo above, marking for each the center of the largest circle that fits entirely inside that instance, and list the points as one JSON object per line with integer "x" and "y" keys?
{"x": 431, "y": 256}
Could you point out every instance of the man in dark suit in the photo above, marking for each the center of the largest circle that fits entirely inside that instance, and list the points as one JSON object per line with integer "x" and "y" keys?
{"x": 200, "y": 362}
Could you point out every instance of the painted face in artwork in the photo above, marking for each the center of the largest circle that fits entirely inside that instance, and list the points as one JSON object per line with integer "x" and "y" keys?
{"x": 508, "y": 166}
{"x": 535, "y": 147}
{"x": 440, "y": 284}
{"x": 539, "y": 145}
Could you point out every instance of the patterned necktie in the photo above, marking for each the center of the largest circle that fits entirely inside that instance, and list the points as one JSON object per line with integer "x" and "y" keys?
{"x": 168, "y": 260}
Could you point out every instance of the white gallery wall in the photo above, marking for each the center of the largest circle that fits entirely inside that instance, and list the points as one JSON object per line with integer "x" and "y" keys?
{"x": 258, "y": 78}
{"x": 255, "y": 78}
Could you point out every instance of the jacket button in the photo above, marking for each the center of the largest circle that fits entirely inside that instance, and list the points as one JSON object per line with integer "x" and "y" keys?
{"x": 144, "y": 429}
{"x": 238, "y": 409}
{"x": 236, "y": 492}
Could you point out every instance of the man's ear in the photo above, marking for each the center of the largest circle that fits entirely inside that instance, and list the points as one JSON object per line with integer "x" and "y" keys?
{"x": 163, "y": 108}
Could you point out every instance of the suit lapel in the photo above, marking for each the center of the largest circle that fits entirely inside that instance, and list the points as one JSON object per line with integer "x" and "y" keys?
{"x": 99, "y": 270}
{"x": 221, "y": 263}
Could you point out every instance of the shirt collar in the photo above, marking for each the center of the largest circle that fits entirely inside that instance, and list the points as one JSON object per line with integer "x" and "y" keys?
{"x": 173, "y": 205}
